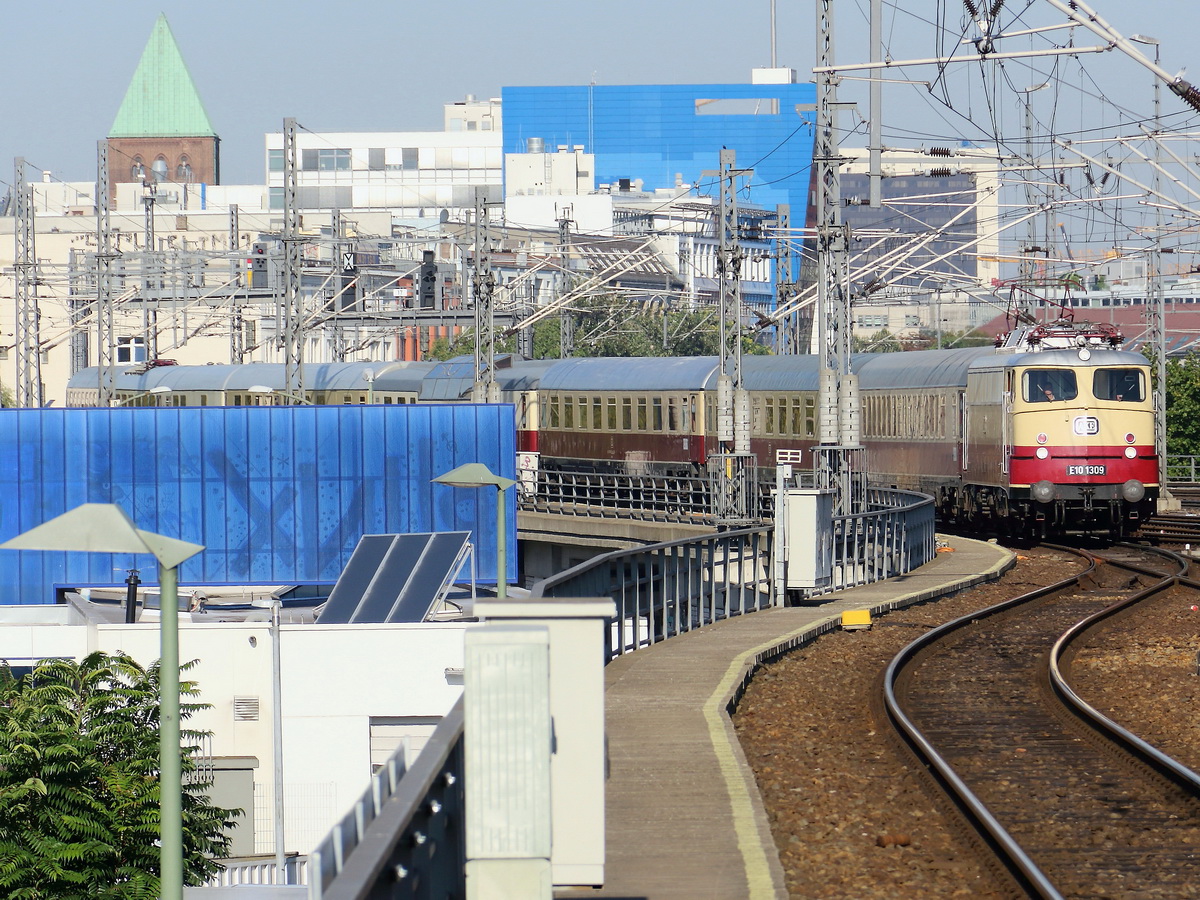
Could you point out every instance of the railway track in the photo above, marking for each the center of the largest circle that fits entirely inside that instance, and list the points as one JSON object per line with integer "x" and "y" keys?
{"x": 1173, "y": 530}
{"x": 1070, "y": 804}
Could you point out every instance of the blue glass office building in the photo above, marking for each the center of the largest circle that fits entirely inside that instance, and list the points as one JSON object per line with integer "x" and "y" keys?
{"x": 660, "y": 131}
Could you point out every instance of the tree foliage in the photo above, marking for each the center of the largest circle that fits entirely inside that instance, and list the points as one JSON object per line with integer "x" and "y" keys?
{"x": 1183, "y": 403}
{"x": 611, "y": 326}
{"x": 79, "y": 785}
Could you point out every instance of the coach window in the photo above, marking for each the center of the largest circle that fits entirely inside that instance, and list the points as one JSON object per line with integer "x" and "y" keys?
{"x": 657, "y": 418}
{"x": 627, "y": 414}
{"x": 583, "y": 413}
{"x": 554, "y": 412}
{"x": 612, "y": 413}
{"x": 673, "y": 415}
{"x": 597, "y": 414}
{"x": 810, "y": 416}
{"x": 770, "y": 418}
{"x": 568, "y": 412}
{"x": 1122, "y": 385}
{"x": 1048, "y": 385}
{"x": 641, "y": 413}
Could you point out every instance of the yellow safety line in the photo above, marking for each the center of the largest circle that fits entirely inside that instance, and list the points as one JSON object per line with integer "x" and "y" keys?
{"x": 750, "y": 841}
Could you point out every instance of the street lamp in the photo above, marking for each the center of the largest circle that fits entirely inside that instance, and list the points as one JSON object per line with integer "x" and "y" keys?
{"x": 275, "y": 605}
{"x": 104, "y": 528}
{"x": 264, "y": 389}
{"x": 158, "y": 389}
{"x": 477, "y": 475}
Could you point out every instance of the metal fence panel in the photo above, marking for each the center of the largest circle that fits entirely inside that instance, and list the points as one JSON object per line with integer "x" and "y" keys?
{"x": 277, "y": 495}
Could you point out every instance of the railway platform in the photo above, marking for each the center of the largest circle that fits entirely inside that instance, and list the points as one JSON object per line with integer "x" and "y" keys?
{"x": 684, "y": 817}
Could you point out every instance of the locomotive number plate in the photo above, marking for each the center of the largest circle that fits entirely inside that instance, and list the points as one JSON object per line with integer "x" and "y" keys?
{"x": 1087, "y": 470}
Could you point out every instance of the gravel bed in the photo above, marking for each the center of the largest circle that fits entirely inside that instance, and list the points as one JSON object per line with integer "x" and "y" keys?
{"x": 850, "y": 817}
{"x": 1142, "y": 674}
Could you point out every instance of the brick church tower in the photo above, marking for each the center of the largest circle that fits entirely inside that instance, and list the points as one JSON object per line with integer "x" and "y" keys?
{"x": 162, "y": 133}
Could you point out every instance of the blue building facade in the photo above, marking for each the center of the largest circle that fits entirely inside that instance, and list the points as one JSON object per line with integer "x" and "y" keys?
{"x": 658, "y": 133}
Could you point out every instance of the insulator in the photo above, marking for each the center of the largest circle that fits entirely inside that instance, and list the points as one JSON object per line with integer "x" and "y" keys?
{"x": 1090, "y": 180}
{"x": 724, "y": 408}
{"x": 944, "y": 172}
{"x": 940, "y": 151}
{"x": 997, "y": 5}
{"x": 851, "y": 431}
{"x": 971, "y": 8}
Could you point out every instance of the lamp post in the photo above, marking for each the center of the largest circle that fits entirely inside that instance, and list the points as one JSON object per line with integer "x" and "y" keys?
{"x": 477, "y": 475}
{"x": 158, "y": 389}
{"x": 104, "y": 528}
{"x": 264, "y": 389}
{"x": 275, "y": 605}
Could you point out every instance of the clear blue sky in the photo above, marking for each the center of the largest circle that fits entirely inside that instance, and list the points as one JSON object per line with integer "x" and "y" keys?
{"x": 389, "y": 65}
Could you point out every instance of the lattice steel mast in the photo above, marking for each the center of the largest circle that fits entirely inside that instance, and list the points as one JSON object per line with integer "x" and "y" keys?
{"x": 838, "y": 412}
{"x": 237, "y": 334}
{"x": 28, "y": 336}
{"x": 104, "y": 260}
{"x": 293, "y": 311}
{"x": 485, "y": 390}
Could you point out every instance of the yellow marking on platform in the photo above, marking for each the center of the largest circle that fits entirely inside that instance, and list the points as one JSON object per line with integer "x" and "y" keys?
{"x": 750, "y": 840}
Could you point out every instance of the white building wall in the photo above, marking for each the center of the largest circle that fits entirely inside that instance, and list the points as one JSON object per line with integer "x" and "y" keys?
{"x": 335, "y": 678}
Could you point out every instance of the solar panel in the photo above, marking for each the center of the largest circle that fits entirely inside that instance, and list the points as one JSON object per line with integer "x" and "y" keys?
{"x": 395, "y": 577}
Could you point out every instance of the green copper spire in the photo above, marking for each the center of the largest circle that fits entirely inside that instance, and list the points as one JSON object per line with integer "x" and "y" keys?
{"x": 161, "y": 100}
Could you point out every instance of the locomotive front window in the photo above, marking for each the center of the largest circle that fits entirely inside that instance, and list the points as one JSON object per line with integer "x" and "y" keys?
{"x": 1049, "y": 385}
{"x": 1122, "y": 385}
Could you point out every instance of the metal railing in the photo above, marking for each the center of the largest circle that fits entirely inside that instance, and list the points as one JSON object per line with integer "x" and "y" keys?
{"x": 1182, "y": 470}
{"x": 897, "y": 534}
{"x": 406, "y": 833}
{"x": 258, "y": 870}
{"x": 674, "y": 587}
{"x": 670, "y": 498}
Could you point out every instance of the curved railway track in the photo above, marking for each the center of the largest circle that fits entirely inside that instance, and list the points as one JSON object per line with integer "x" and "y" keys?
{"x": 1070, "y": 804}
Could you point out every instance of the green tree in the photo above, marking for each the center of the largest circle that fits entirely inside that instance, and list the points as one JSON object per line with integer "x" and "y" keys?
{"x": 79, "y": 786}
{"x": 880, "y": 342}
{"x": 1183, "y": 404}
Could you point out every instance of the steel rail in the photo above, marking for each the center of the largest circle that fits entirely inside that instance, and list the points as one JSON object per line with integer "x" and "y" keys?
{"x": 1150, "y": 755}
{"x": 1024, "y": 870}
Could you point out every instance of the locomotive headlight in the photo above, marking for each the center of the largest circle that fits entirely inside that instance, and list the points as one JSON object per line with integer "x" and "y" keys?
{"x": 1130, "y": 452}
{"x": 1041, "y": 438}
{"x": 1133, "y": 490}
{"x": 1043, "y": 492}
{"x": 1129, "y": 438}
{"x": 1042, "y": 453}
{"x": 1085, "y": 354}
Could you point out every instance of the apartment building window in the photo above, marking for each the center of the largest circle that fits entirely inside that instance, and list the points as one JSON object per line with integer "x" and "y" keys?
{"x": 375, "y": 159}
{"x": 274, "y": 160}
{"x": 331, "y": 159}
{"x": 408, "y": 158}
{"x": 131, "y": 350}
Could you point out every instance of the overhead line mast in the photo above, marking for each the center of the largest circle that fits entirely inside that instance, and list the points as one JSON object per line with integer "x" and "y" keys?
{"x": 28, "y": 339}
{"x": 104, "y": 299}
{"x": 293, "y": 312}
{"x": 838, "y": 410}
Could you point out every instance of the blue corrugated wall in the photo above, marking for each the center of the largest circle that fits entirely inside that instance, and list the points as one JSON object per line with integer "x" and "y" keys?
{"x": 277, "y": 495}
